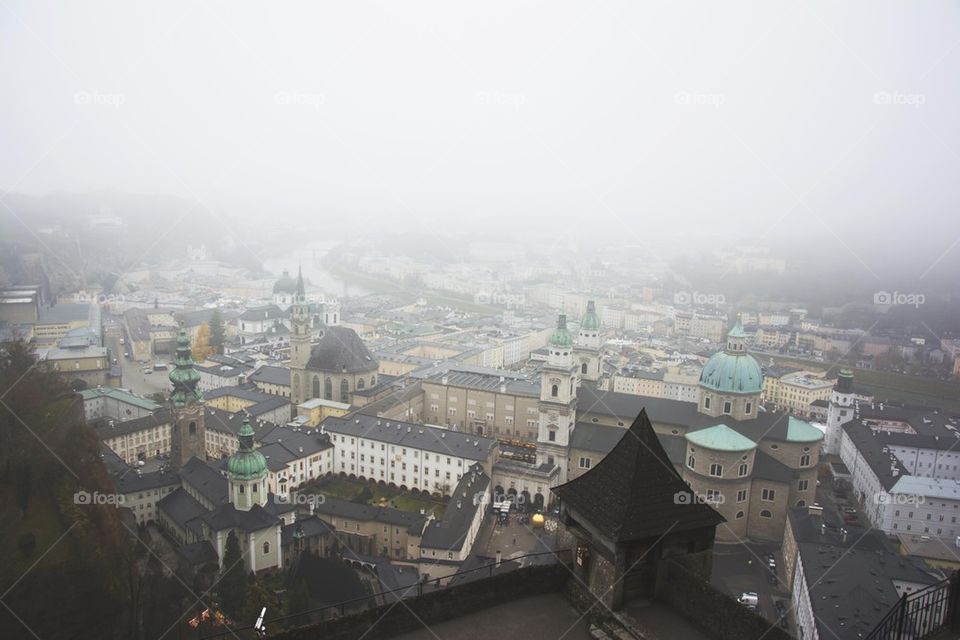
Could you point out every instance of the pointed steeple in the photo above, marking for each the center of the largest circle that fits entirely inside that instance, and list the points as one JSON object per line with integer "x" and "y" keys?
{"x": 184, "y": 377}
{"x": 635, "y": 492}
{"x": 301, "y": 292}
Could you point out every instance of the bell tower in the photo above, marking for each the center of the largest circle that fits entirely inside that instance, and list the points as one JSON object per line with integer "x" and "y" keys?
{"x": 558, "y": 399}
{"x": 588, "y": 342}
{"x": 299, "y": 342}
{"x": 187, "y": 433}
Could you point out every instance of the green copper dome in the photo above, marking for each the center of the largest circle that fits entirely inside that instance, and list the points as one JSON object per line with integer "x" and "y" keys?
{"x": 590, "y": 321}
{"x": 184, "y": 377}
{"x": 733, "y": 370}
{"x": 247, "y": 463}
{"x": 561, "y": 337}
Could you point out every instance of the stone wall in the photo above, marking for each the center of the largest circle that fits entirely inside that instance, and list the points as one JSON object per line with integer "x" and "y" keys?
{"x": 718, "y": 615}
{"x": 390, "y": 620}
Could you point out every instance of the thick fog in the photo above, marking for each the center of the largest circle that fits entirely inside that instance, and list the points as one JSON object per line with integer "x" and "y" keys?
{"x": 833, "y": 123}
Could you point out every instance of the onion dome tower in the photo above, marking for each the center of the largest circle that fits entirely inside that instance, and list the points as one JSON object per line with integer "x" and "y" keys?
{"x": 558, "y": 401}
{"x": 247, "y": 472}
{"x": 587, "y": 348}
{"x": 187, "y": 433}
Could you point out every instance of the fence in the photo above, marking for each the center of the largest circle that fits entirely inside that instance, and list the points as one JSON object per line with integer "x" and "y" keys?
{"x": 923, "y": 613}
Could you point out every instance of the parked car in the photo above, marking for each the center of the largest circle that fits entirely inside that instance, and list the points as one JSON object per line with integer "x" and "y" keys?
{"x": 749, "y": 599}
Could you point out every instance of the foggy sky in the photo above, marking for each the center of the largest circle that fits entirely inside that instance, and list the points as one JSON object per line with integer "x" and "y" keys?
{"x": 830, "y": 120}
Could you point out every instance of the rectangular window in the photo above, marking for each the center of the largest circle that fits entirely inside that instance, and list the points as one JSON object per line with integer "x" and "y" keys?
{"x": 768, "y": 495}
{"x": 584, "y": 463}
{"x": 716, "y": 470}
{"x": 742, "y": 495}
{"x": 802, "y": 485}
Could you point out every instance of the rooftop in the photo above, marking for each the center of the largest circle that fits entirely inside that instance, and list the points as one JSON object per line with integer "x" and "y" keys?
{"x": 630, "y": 494}
{"x": 409, "y": 434}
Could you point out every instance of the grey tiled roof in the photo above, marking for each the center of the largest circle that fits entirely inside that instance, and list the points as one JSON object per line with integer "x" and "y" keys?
{"x": 629, "y": 495}
{"x": 414, "y": 436}
{"x": 340, "y": 349}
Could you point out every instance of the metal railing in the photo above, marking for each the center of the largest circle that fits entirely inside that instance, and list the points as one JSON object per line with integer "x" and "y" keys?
{"x": 356, "y": 605}
{"x": 922, "y": 613}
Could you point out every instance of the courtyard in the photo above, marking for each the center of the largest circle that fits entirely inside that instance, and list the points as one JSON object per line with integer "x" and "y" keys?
{"x": 377, "y": 495}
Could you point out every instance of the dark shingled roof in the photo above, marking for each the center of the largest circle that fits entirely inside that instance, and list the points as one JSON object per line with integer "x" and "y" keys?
{"x": 341, "y": 350}
{"x": 629, "y": 495}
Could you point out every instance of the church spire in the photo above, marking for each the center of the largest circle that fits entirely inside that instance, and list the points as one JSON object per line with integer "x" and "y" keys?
{"x": 184, "y": 377}
{"x": 301, "y": 292}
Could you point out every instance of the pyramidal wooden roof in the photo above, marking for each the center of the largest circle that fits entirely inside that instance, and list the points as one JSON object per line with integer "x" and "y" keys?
{"x": 632, "y": 493}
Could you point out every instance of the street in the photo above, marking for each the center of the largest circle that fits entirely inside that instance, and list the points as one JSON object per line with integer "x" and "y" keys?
{"x": 133, "y": 376}
{"x": 743, "y": 567}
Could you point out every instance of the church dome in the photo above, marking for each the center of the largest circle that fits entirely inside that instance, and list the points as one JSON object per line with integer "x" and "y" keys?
{"x": 733, "y": 370}
{"x": 340, "y": 350}
{"x": 591, "y": 321}
{"x": 247, "y": 463}
{"x": 561, "y": 336}
{"x": 285, "y": 284}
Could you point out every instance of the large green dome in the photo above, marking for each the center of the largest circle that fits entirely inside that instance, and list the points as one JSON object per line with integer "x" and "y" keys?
{"x": 732, "y": 373}
{"x": 247, "y": 463}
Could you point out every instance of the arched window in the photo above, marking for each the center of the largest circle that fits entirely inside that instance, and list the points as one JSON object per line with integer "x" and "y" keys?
{"x": 360, "y": 384}
{"x": 241, "y": 488}
{"x": 266, "y": 548}
{"x": 344, "y": 390}
{"x": 328, "y": 388}
{"x": 554, "y": 391}
{"x": 296, "y": 382}
{"x": 316, "y": 387}
{"x": 193, "y": 429}
{"x": 373, "y": 381}
{"x": 766, "y": 514}
{"x": 739, "y": 515}
{"x": 801, "y": 503}
{"x": 583, "y": 368}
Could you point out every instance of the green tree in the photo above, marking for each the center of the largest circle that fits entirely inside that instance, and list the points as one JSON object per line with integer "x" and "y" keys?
{"x": 233, "y": 584}
{"x": 218, "y": 332}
